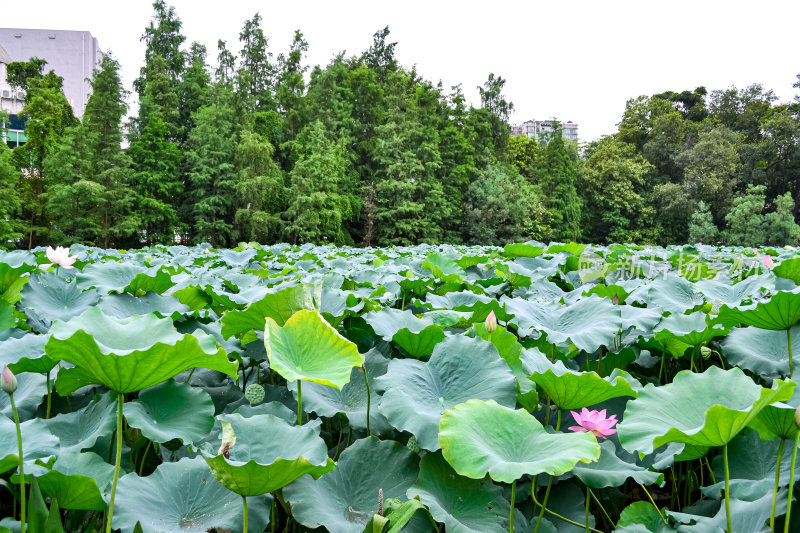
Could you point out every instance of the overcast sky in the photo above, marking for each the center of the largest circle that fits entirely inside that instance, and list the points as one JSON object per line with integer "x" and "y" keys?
{"x": 577, "y": 60}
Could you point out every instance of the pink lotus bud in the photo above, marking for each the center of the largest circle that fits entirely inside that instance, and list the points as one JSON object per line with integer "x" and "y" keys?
{"x": 615, "y": 300}
{"x": 768, "y": 261}
{"x": 491, "y": 322}
{"x": 9, "y": 380}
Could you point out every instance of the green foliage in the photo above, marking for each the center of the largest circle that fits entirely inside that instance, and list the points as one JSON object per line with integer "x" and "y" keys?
{"x": 780, "y": 225}
{"x": 701, "y": 225}
{"x": 745, "y": 219}
{"x": 559, "y": 176}
{"x": 10, "y": 201}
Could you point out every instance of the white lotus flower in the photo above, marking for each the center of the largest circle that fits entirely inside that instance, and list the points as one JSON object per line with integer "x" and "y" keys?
{"x": 60, "y": 257}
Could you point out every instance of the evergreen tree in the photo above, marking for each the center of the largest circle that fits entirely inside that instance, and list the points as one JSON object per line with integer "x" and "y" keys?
{"x": 255, "y": 77}
{"x": 745, "y": 219}
{"x": 560, "y": 171}
{"x": 10, "y": 202}
{"x": 701, "y": 225}
{"x": 163, "y": 39}
{"x": 499, "y": 110}
{"x": 260, "y": 190}
{"x": 290, "y": 88}
{"x": 780, "y": 225}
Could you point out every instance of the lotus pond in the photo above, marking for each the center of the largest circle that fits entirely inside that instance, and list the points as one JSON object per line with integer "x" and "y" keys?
{"x": 533, "y": 388}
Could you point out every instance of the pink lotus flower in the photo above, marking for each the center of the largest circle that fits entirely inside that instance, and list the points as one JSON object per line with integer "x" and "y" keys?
{"x": 60, "y": 257}
{"x": 491, "y": 322}
{"x": 594, "y": 422}
{"x": 768, "y": 261}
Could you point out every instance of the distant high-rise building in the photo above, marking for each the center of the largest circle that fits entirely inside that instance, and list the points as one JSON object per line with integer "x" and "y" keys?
{"x": 542, "y": 130}
{"x": 73, "y": 55}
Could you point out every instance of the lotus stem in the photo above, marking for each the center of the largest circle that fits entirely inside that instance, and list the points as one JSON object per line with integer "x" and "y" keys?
{"x": 366, "y": 380}
{"x": 602, "y": 509}
{"x": 549, "y": 484}
{"x": 791, "y": 484}
{"x": 299, "y": 403}
{"x": 727, "y": 488}
{"x": 244, "y": 511}
{"x": 791, "y": 357}
{"x": 775, "y": 488}
{"x": 654, "y": 503}
{"x": 588, "y": 499}
{"x": 21, "y": 471}
{"x": 564, "y": 518}
{"x": 120, "y": 401}
{"x": 513, "y": 498}
{"x": 49, "y": 395}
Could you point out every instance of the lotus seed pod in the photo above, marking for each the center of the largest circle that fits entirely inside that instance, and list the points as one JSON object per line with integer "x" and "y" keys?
{"x": 491, "y": 322}
{"x": 797, "y": 417}
{"x": 9, "y": 380}
{"x": 413, "y": 445}
{"x": 254, "y": 394}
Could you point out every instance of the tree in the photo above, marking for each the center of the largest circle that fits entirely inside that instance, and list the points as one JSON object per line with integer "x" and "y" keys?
{"x": 290, "y": 88}
{"x": 671, "y": 202}
{"x": 745, "y": 219}
{"x": 701, "y": 225}
{"x": 256, "y": 72}
{"x": 499, "y": 110}
{"x": 10, "y": 201}
{"x": 560, "y": 172}
{"x": 19, "y": 72}
{"x": 163, "y": 39}
{"x": 780, "y": 225}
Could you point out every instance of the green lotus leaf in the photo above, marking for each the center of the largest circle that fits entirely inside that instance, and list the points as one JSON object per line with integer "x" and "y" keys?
{"x": 608, "y": 291}
{"x": 49, "y": 298}
{"x": 343, "y": 501}
{"x": 417, "y": 336}
{"x": 351, "y": 400}
{"x": 416, "y": 394}
{"x": 40, "y": 517}
{"x": 258, "y": 465}
{"x": 763, "y": 351}
{"x": 81, "y": 429}
{"x": 611, "y": 471}
{"x": 109, "y": 277}
{"x": 782, "y": 311}
{"x": 670, "y": 293}
{"x": 399, "y": 516}
{"x": 722, "y": 292}
{"x": 37, "y": 442}
{"x": 511, "y": 351}
{"x": 679, "y": 333}
{"x": 479, "y": 437}
{"x": 279, "y": 306}
{"x": 126, "y": 305}
{"x": 171, "y": 411}
{"x": 12, "y": 280}
{"x": 25, "y": 353}
{"x": 789, "y": 269}
{"x": 641, "y": 517}
{"x": 462, "y": 504}
{"x": 7, "y": 320}
{"x": 588, "y": 323}
{"x": 77, "y": 480}
{"x": 777, "y": 419}
{"x": 522, "y": 250}
{"x": 309, "y": 348}
{"x": 706, "y": 409}
{"x": 514, "y": 274}
{"x": 443, "y": 267}
{"x": 573, "y": 390}
{"x": 30, "y": 390}
{"x": 752, "y": 458}
{"x": 182, "y": 497}
{"x": 154, "y": 280}
{"x": 129, "y": 354}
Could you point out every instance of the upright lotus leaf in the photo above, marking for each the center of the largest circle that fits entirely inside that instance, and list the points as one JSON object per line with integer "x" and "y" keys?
{"x": 25, "y": 353}
{"x": 7, "y": 320}
{"x": 707, "y": 409}
{"x": 12, "y": 280}
{"x": 343, "y": 501}
{"x": 462, "y": 504}
{"x": 511, "y": 351}
{"x": 30, "y": 390}
{"x": 155, "y": 280}
{"x": 753, "y": 459}
{"x": 671, "y": 293}
{"x": 782, "y": 311}
{"x": 443, "y": 267}
{"x": 37, "y": 441}
{"x": 309, "y": 348}
{"x": 416, "y": 394}
{"x": 789, "y": 269}
{"x": 128, "y": 354}
{"x": 258, "y": 465}
{"x": 574, "y": 390}
{"x": 777, "y": 419}
{"x": 171, "y": 411}
{"x": 763, "y": 351}
{"x": 417, "y": 336}
{"x": 351, "y": 400}
{"x": 641, "y": 517}
{"x": 49, "y": 298}
{"x": 611, "y": 471}
{"x": 480, "y": 437}
{"x": 81, "y": 429}
{"x": 608, "y": 291}
{"x": 679, "y": 333}
{"x": 588, "y": 323}
{"x": 279, "y": 306}
{"x": 182, "y": 497}
{"x": 522, "y": 250}
{"x": 77, "y": 480}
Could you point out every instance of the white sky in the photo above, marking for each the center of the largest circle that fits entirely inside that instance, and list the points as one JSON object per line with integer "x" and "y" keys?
{"x": 576, "y": 60}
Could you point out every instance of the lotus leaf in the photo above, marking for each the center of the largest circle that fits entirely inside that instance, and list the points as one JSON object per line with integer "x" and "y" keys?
{"x": 82, "y": 428}
{"x": 279, "y": 306}
{"x": 574, "y": 390}
{"x": 417, "y": 336}
{"x": 763, "y": 351}
{"x": 782, "y": 311}
{"x": 50, "y": 298}
{"x": 77, "y": 480}
{"x": 37, "y": 439}
{"x": 611, "y": 471}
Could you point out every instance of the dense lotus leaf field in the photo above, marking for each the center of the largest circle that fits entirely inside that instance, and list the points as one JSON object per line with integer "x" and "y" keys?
{"x": 533, "y": 388}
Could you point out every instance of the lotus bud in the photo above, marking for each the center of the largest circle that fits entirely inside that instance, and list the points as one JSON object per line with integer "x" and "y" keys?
{"x": 9, "y": 380}
{"x": 797, "y": 417}
{"x": 491, "y": 322}
{"x": 615, "y": 300}
{"x": 706, "y": 352}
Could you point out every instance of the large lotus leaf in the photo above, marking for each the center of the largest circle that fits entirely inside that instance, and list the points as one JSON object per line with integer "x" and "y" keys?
{"x": 309, "y": 348}
{"x": 352, "y": 398}
{"x": 344, "y": 500}
{"x": 706, "y": 409}
{"x": 77, "y": 480}
{"x": 727, "y": 293}
{"x": 752, "y": 458}
{"x": 154, "y": 280}
{"x": 279, "y": 306}
{"x": 641, "y": 517}
{"x": 182, "y": 497}
{"x": 511, "y": 351}
{"x": 678, "y": 333}
{"x": 588, "y": 323}
{"x": 640, "y": 318}
{"x": 763, "y": 351}
{"x": 37, "y": 442}
{"x": 417, "y": 336}
{"x": 25, "y": 353}
{"x": 108, "y": 277}
{"x": 789, "y": 269}
{"x": 782, "y": 311}
{"x": 777, "y": 419}
{"x": 573, "y": 390}
{"x": 82, "y": 428}
{"x": 416, "y": 394}
{"x": 670, "y": 293}
{"x": 522, "y": 250}
{"x": 129, "y": 354}
{"x": 12, "y": 280}
{"x": 125, "y": 305}
{"x": 50, "y": 298}
{"x": 27, "y": 397}
{"x": 258, "y": 465}
{"x": 442, "y": 266}
{"x": 171, "y": 411}
{"x": 611, "y": 471}
{"x": 479, "y": 437}
{"x": 462, "y": 504}
{"x": 6, "y": 315}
